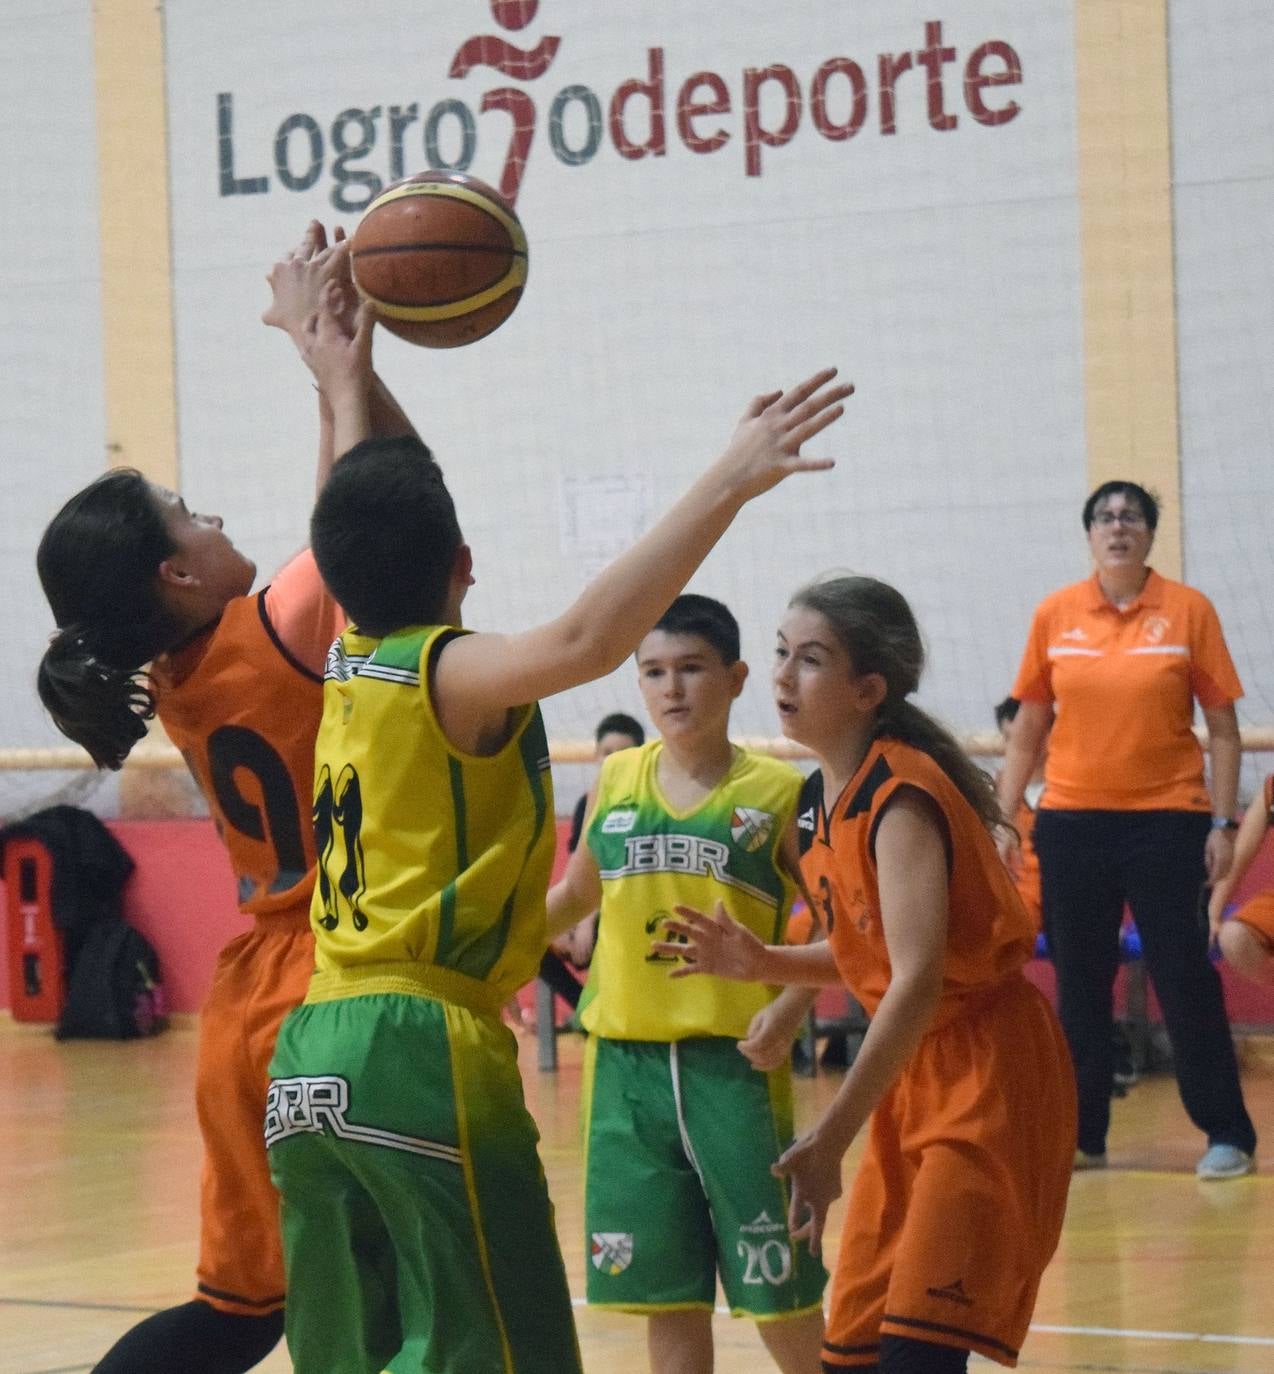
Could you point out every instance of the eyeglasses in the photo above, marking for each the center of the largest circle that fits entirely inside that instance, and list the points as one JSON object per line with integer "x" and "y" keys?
{"x": 1129, "y": 519}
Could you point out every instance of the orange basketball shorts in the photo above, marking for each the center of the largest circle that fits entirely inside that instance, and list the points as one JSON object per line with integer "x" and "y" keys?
{"x": 958, "y": 1202}
{"x": 260, "y": 977}
{"x": 1258, "y": 913}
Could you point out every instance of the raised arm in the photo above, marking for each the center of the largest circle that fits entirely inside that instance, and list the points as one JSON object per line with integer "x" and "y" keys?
{"x": 491, "y": 672}
{"x": 299, "y": 283}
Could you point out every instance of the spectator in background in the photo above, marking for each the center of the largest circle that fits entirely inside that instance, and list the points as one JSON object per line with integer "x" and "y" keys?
{"x": 1246, "y": 938}
{"x": 1126, "y": 817}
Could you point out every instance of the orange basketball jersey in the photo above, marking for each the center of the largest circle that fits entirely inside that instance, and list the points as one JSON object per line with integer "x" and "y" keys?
{"x": 243, "y": 706}
{"x": 990, "y": 932}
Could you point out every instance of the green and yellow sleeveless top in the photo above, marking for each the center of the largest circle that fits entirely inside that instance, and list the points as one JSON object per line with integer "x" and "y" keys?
{"x": 652, "y": 859}
{"x": 432, "y": 863}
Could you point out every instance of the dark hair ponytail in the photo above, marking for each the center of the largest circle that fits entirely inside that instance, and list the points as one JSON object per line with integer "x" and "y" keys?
{"x": 98, "y": 562}
{"x": 876, "y": 628}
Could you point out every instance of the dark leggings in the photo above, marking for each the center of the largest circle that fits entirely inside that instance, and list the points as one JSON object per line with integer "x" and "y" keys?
{"x": 554, "y": 972}
{"x": 195, "y": 1338}
{"x": 903, "y": 1355}
{"x": 1091, "y": 863}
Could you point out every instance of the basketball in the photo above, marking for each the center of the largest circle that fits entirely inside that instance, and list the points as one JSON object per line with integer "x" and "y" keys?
{"x": 442, "y": 258}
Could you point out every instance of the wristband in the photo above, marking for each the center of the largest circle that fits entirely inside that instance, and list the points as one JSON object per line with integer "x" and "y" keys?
{"x": 1224, "y": 823}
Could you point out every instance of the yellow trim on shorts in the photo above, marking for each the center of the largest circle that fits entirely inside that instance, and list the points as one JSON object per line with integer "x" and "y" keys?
{"x": 471, "y": 1191}
{"x": 638, "y": 1309}
{"x": 412, "y": 980}
{"x": 760, "y": 1317}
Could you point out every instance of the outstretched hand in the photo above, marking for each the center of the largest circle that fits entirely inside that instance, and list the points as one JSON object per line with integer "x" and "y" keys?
{"x": 339, "y": 360}
{"x": 300, "y": 279}
{"x": 766, "y": 446}
{"x": 711, "y": 944}
{"x": 813, "y": 1168}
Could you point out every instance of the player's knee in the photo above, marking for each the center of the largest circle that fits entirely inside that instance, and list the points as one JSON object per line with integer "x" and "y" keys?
{"x": 1242, "y": 949}
{"x": 903, "y": 1355}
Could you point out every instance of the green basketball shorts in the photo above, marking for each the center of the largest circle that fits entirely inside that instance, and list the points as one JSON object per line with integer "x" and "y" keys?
{"x": 679, "y": 1142}
{"x": 417, "y": 1227}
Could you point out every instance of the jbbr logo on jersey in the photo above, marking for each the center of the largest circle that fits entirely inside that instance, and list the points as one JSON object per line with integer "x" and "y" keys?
{"x": 751, "y": 828}
{"x": 612, "y": 1251}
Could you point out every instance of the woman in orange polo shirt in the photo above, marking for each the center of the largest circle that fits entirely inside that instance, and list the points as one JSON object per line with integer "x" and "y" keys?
{"x": 1126, "y": 816}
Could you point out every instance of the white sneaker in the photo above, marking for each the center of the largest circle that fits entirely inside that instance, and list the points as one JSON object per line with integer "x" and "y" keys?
{"x": 1225, "y": 1161}
{"x": 1084, "y": 1161}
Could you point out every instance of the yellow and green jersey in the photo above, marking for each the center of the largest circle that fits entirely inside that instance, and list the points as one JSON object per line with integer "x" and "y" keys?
{"x": 432, "y": 863}
{"x": 653, "y": 859}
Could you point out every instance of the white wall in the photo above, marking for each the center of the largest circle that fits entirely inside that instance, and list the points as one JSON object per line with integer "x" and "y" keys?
{"x": 51, "y": 419}
{"x": 940, "y": 269}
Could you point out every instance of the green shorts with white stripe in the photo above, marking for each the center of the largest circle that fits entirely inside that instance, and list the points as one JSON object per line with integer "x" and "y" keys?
{"x": 417, "y": 1226}
{"x": 680, "y": 1139}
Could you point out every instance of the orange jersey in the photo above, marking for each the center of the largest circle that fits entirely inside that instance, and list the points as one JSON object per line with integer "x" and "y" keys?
{"x": 989, "y": 932}
{"x": 1125, "y": 682}
{"x": 243, "y": 703}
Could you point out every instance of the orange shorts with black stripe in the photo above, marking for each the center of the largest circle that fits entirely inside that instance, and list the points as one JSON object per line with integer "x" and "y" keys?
{"x": 1258, "y": 914}
{"x": 958, "y": 1202}
{"x": 260, "y": 976}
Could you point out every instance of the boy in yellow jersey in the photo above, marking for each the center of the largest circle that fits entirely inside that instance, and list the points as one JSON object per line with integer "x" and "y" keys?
{"x": 681, "y": 1127}
{"x": 417, "y": 1226}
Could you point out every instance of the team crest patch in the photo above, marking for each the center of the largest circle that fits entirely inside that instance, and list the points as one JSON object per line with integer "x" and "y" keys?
{"x": 612, "y": 1251}
{"x": 751, "y": 828}
{"x": 620, "y": 821}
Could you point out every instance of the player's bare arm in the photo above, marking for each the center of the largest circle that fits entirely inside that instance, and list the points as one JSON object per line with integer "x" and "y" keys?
{"x": 494, "y": 672}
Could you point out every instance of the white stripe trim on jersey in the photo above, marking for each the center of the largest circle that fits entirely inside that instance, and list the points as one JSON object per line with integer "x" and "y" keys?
{"x": 1070, "y": 651}
{"x": 1161, "y": 649}
{"x": 340, "y": 666}
{"x": 406, "y": 676}
{"x": 628, "y": 871}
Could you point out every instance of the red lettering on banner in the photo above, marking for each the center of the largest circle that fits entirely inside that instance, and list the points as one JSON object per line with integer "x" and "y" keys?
{"x": 754, "y": 134}
{"x": 689, "y": 109}
{"x": 652, "y": 89}
{"x": 892, "y": 66}
{"x": 932, "y": 56}
{"x": 976, "y": 80}
{"x": 839, "y": 66}
{"x": 521, "y": 108}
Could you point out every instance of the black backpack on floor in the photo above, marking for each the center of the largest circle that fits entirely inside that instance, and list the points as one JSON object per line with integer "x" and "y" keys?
{"x": 115, "y": 993}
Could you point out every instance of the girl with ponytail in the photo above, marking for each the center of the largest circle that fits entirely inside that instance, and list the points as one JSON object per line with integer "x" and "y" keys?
{"x": 156, "y": 616}
{"x": 115, "y": 565}
{"x": 963, "y": 1078}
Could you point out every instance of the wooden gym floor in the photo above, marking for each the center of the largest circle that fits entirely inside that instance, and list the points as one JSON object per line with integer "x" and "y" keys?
{"x": 1156, "y": 1274}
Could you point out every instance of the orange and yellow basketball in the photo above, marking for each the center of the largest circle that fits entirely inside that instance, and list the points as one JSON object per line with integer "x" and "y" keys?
{"x": 442, "y": 257}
